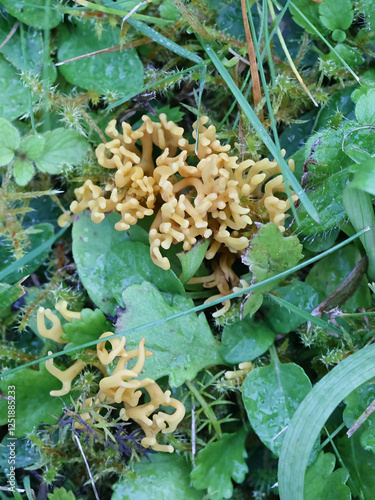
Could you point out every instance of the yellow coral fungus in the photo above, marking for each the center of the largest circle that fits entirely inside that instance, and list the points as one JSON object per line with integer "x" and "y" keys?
{"x": 122, "y": 386}
{"x": 218, "y": 198}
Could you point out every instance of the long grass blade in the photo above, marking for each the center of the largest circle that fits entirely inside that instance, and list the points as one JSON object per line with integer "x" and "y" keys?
{"x": 303, "y": 431}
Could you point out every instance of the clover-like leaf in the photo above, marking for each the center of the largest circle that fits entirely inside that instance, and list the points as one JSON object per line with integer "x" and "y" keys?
{"x": 219, "y": 463}
{"x": 62, "y": 147}
{"x": 323, "y": 483}
{"x": 23, "y": 171}
{"x": 271, "y": 394}
{"x": 181, "y": 347}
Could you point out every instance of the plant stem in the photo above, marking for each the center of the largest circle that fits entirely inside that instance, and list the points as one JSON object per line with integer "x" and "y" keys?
{"x": 206, "y": 408}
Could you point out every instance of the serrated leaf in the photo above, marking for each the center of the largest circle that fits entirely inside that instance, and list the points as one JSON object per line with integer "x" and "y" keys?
{"x": 365, "y": 108}
{"x": 334, "y": 18}
{"x": 32, "y": 146}
{"x": 91, "y": 325}
{"x": 173, "y": 480}
{"x": 191, "y": 260}
{"x": 330, "y": 272}
{"x": 38, "y": 234}
{"x": 245, "y": 340}
{"x": 62, "y": 147}
{"x": 181, "y": 347}
{"x": 299, "y": 294}
{"x": 32, "y": 12}
{"x": 323, "y": 483}
{"x": 91, "y": 244}
{"x": 120, "y": 71}
{"x": 61, "y": 494}
{"x": 34, "y": 405}
{"x": 218, "y": 463}
{"x": 129, "y": 263}
{"x": 327, "y": 199}
{"x": 271, "y": 394}
{"x": 23, "y": 171}
{"x": 9, "y": 141}
{"x": 271, "y": 253}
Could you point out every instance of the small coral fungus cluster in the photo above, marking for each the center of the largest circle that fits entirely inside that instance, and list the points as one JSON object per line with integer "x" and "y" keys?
{"x": 121, "y": 386}
{"x": 195, "y": 194}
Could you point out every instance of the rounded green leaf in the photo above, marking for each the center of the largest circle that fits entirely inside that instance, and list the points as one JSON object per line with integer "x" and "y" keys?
{"x": 121, "y": 71}
{"x": 129, "y": 263}
{"x": 245, "y": 340}
{"x": 33, "y": 13}
{"x": 365, "y": 108}
{"x": 9, "y": 141}
{"x": 167, "y": 477}
{"x": 335, "y": 18}
{"x": 323, "y": 483}
{"x": 14, "y": 100}
{"x": 280, "y": 319}
{"x": 91, "y": 244}
{"x": 271, "y": 394}
{"x": 23, "y": 171}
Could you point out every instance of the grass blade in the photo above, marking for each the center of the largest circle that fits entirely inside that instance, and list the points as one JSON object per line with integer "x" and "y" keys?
{"x": 326, "y": 395}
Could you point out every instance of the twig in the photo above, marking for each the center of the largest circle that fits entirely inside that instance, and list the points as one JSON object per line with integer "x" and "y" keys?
{"x": 10, "y": 34}
{"x": 252, "y": 59}
{"x": 87, "y": 467}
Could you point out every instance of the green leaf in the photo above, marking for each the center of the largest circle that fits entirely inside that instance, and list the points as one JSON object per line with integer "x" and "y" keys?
{"x": 358, "y": 144}
{"x": 26, "y": 454}
{"x": 9, "y": 141}
{"x": 91, "y": 325}
{"x": 365, "y": 108}
{"x": 62, "y": 147}
{"x": 91, "y": 245}
{"x": 120, "y": 71}
{"x": 360, "y": 464}
{"x": 327, "y": 198}
{"x": 245, "y": 340}
{"x": 330, "y": 272}
{"x": 350, "y": 55}
{"x": 129, "y": 263}
{"x": 311, "y": 11}
{"x": 32, "y": 146}
{"x": 356, "y": 403}
{"x": 33, "y": 13}
{"x": 218, "y": 463}
{"x": 166, "y": 477}
{"x": 181, "y": 348}
{"x": 300, "y": 438}
{"x": 271, "y": 394}
{"x": 334, "y": 18}
{"x": 321, "y": 242}
{"x": 61, "y": 494}
{"x": 13, "y": 51}
{"x": 279, "y": 318}
{"x": 38, "y": 235}
{"x": 34, "y": 405}
{"x": 168, "y": 10}
{"x": 271, "y": 253}
{"x": 191, "y": 260}
{"x": 9, "y": 294}
{"x": 23, "y": 171}
{"x": 323, "y": 483}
